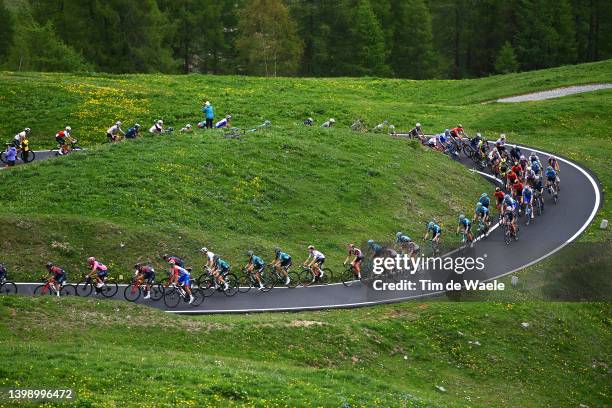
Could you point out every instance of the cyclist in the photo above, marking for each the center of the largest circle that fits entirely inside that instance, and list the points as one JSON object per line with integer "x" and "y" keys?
{"x": 187, "y": 129}
{"x": 436, "y": 232}
{"x": 511, "y": 177}
{"x": 527, "y": 201}
{"x": 494, "y": 158}
{"x": 554, "y": 163}
{"x": 182, "y": 277}
{"x": 499, "y": 197}
{"x": 99, "y": 269}
{"x": 225, "y": 122}
{"x": 219, "y": 270}
{"x": 515, "y": 153}
{"x": 133, "y": 132}
{"x": 56, "y": 276}
{"x": 517, "y": 189}
{"x": 176, "y": 260}
{"x": 523, "y": 163}
{"x": 21, "y": 137}
{"x": 113, "y": 132}
{"x": 376, "y": 248}
{"x": 538, "y": 189}
{"x": 503, "y": 167}
{"x": 485, "y": 200}
{"x": 315, "y": 262}
{"x": 255, "y": 266}
{"x": 457, "y": 132}
{"x": 533, "y": 157}
{"x": 517, "y": 168}
{"x": 530, "y": 176}
{"x": 157, "y": 128}
{"x": 282, "y": 262}
{"x": 329, "y": 123}
{"x": 509, "y": 207}
{"x": 481, "y": 213}
{"x": 357, "y": 257}
{"x": 145, "y": 274}
{"x": 475, "y": 141}
{"x": 60, "y": 138}
{"x": 309, "y": 121}
{"x": 465, "y": 225}
{"x": 210, "y": 258}
{"x": 551, "y": 179}
{"x": 537, "y": 168}
{"x": 500, "y": 144}
{"x": 417, "y": 132}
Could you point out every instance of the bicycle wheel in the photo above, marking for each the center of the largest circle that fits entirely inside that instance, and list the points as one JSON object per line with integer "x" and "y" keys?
{"x": 327, "y": 278}
{"x": 172, "y": 297}
{"x": 307, "y": 277}
{"x": 84, "y": 288}
{"x": 348, "y": 277}
{"x": 42, "y": 290}
{"x": 244, "y": 283}
{"x": 198, "y": 297}
{"x": 68, "y": 290}
{"x": 8, "y": 288}
{"x": 3, "y": 157}
{"x": 232, "y": 284}
{"x": 294, "y": 279}
{"x": 157, "y": 291}
{"x": 207, "y": 284}
{"x": 109, "y": 289}
{"x": 507, "y": 235}
{"x": 131, "y": 292}
{"x": 28, "y": 156}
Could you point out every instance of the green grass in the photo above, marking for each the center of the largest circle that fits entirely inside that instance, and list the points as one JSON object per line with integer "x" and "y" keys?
{"x": 118, "y": 354}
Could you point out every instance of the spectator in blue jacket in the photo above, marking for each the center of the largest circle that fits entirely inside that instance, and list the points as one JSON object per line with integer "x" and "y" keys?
{"x": 11, "y": 154}
{"x": 209, "y": 114}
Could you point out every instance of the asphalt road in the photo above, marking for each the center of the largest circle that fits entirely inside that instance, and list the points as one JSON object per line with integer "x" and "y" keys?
{"x": 579, "y": 200}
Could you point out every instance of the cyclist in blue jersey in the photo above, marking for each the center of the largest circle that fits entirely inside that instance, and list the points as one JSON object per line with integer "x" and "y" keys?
{"x": 528, "y": 202}
{"x": 256, "y": 267}
{"x": 465, "y": 225}
{"x": 282, "y": 263}
{"x": 220, "y": 269}
{"x": 436, "y": 232}
{"x": 551, "y": 179}
{"x": 481, "y": 213}
{"x": 376, "y": 248}
{"x": 485, "y": 200}
{"x": 182, "y": 277}
{"x": 132, "y": 132}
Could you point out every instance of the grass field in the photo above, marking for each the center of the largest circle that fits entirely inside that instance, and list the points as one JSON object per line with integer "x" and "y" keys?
{"x": 292, "y": 185}
{"x": 116, "y": 354}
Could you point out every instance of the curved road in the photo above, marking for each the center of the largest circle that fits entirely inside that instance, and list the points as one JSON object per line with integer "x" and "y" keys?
{"x": 560, "y": 224}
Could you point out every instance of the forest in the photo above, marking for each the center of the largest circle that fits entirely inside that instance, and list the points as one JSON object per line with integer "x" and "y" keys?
{"x": 416, "y": 39}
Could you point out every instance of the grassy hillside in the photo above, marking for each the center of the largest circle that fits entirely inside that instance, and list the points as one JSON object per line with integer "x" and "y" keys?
{"x": 138, "y": 200}
{"x": 290, "y": 185}
{"x": 117, "y": 354}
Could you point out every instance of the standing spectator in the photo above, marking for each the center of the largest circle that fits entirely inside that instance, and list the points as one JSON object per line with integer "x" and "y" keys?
{"x": 209, "y": 114}
{"x": 11, "y": 154}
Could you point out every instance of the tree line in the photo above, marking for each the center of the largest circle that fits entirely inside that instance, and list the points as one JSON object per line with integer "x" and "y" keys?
{"x": 416, "y": 39}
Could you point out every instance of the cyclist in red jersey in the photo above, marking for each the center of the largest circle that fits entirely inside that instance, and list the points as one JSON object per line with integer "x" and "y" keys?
{"x": 517, "y": 169}
{"x": 517, "y": 191}
{"x": 356, "y": 254}
{"x": 499, "y": 197}
{"x": 511, "y": 177}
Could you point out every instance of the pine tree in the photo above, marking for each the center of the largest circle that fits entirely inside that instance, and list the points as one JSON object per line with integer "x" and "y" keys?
{"x": 267, "y": 38}
{"x": 412, "y": 53}
{"x": 367, "y": 37}
{"x": 6, "y": 30}
{"x": 506, "y": 60}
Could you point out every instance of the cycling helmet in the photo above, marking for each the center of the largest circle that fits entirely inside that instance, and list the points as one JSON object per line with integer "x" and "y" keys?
{"x": 228, "y": 117}
{"x": 277, "y": 250}
{"x": 332, "y": 120}
{"x": 204, "y": 249}
{"x": 430, "y": 225}
{"x": 522, "y": 157}
{"x": 351, "y": 245}
{"x": 399, "y": 234}
{"x": 311, "y": 247}
{"x": 27, "y": 130}
{"x": 250, "y": 254}
{"x": 172, "y": 262}
{"x": 91, "y": 259}
{"x": 483, "y": 195}
{"x": 68, "y": 129}
{"x": 49, "y": 264}
{"x": 207, "y": 103}
{"x": 478, "y": 135}
{"x": 137, "y": 266}
{"x": 370, "y": 242}
{"x": 418, "y": 125}
{"x": 188, "y": 126}
{"x": 137, "y": 126}
{"x": 549, "y": 168}
{"x": 478, "y": 205}
{"x": 497, "y": 189}
{"x": 160, "y": 122}
{"x": 460, "y": 126}
{"x": 461, "y": 217}
{"x": 502, "y": 136}
{"x": 447, "y": 132}
{"x": 118, "y": 123}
